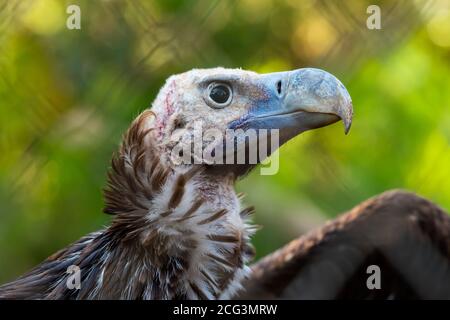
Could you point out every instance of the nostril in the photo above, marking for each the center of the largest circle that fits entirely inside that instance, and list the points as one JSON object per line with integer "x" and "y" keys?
{"x": 279, "y": 87}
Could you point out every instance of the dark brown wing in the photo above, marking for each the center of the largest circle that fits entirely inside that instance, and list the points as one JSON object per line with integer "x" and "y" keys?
{"x": 406, "y": 236}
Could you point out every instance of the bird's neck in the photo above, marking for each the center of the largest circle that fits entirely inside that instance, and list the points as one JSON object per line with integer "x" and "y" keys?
{"x": 187, "y": 227}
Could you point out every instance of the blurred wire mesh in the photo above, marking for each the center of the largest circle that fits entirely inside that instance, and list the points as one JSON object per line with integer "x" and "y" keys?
{"x": 66, "y": 96}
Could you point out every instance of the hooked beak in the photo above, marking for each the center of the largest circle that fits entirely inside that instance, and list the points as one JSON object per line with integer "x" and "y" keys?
{"x": 298, "y": 101}
{"x": 315, "y": 92}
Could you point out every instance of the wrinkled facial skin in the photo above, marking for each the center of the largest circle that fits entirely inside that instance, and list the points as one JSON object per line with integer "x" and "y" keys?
{"x": 184, "y": 104}
{"x": 184, "y": 100}
{"x": 291, "y": 102}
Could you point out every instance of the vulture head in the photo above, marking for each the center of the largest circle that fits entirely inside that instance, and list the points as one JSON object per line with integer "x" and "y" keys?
{"x": 178, "y": 230}
{"x": 210, "y": 116}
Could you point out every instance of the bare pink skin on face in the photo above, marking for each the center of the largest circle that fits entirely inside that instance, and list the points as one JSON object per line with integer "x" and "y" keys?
{"x": 169, "y": 109}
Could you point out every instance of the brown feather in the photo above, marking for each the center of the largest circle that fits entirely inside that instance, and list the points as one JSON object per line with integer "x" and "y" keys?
{"x": 214, "y": 217}
{"x": 178, "y": 192}
{"x": 190, "y": 213}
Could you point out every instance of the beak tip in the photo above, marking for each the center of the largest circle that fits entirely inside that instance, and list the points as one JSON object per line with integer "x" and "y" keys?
{"x": 347, "y": 129}
{"x": 347, "y": 123}
{"x": 348, "y": 118}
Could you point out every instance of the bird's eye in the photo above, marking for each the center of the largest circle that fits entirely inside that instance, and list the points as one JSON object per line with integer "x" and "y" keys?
{"x": 219, "y": 94}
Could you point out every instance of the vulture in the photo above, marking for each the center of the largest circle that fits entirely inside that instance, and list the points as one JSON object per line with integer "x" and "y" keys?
{"x": 179, "y": 230}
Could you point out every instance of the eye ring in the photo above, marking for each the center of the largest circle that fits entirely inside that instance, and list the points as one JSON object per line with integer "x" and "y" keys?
{"x": 219, "y": 94}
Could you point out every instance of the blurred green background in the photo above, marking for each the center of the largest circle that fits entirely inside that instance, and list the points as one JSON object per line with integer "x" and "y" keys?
{"x": 66, "y": 97}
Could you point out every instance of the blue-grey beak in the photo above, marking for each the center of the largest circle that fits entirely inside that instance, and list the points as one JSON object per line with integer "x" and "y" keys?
{"x": 297, "y": 101}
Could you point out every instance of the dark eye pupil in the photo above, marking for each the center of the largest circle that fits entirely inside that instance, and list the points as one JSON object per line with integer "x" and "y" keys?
{"x": 220, "y": 94}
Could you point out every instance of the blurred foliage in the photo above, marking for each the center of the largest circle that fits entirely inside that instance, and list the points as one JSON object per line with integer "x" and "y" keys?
{"x": 66, "y": 97}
